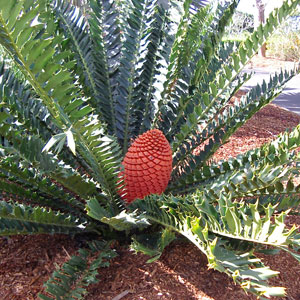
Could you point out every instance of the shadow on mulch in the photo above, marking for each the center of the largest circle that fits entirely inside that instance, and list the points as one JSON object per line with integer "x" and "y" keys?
{"x": 180, "y": 274}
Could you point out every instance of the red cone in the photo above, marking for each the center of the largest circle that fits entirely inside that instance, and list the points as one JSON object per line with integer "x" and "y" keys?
{"x": 147, "y": 166}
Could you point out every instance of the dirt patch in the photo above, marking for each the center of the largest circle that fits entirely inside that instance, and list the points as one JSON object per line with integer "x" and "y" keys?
{"x": 271, "y": 63}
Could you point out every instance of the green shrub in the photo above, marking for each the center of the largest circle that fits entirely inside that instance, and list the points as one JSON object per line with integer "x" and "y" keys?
{"x": 240, "y": 28}
{"x": 91, "y": 86}
{"x": 285, "y": 46}
{"x": 238, "y": 38}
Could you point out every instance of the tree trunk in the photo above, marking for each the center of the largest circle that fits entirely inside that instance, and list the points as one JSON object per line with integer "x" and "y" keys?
{"x": 261, "y": 20}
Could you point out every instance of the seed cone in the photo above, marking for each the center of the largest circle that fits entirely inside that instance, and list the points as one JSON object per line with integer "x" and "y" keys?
{"x": 147, "y": 166}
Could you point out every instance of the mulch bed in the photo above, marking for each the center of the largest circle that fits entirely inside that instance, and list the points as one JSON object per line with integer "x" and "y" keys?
{"x": 26, "y": 262}
{"x": 180, "y": 274}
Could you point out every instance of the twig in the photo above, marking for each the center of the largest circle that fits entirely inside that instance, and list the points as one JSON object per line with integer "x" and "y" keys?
{"x": 69, "y": 256}
{"x": 123, "y": 294}
{"x": 34, "y": 280}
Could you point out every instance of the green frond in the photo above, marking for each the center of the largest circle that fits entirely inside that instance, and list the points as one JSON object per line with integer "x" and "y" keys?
{"x": 233, "y": 220}
{"x": 23, "y": 112}
{"x": 223, "y": 78}
{"x": 178, "y": 73}
{"x": 222, "y": 55}
{"x": 97, "y": 210}
{"x": 21, "y": 105}
{"x": 80, "y": 184}
{"x": 39, "y": 184}
{"x": 124, "y": 221}
{"x": 211, "y": 227}
{"x": 75, "y": 28}
{"x": 137, "y": 19}
{"x": 106, "y": 50}
{"x": 243, "y": 221}
{"x": 104, "y": 161}
{"x": 198, "y": 38}
{"x": 153, "y": 244}
{"x": 218, "y": 127}
{"x": 255, "y": 171}
{"x": 191, "y": 30}
{"x": 213, "y": 128}
{"x": 149, "y": 63}
{"x": 75, "y": 121}
{"x": 216, "y": 132}
{"x": 245, "y": 269}
{"x": 23, "y": 219}
{"x": 72, "y": 279}
{"x": 33, "y": 57}
{"x": 285, "y": 197}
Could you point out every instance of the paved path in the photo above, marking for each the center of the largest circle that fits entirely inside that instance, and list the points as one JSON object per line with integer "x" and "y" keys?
{"x": 288, "y": 99}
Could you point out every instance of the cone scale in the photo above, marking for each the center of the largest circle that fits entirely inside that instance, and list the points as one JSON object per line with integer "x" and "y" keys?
{"x": 147, "y": 166}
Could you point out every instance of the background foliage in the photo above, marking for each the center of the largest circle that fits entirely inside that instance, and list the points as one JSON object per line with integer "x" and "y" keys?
{"x": 285, "y": 43}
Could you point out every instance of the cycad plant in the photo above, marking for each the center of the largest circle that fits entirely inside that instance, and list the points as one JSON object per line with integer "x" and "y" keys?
{"x": 111, "y": 125}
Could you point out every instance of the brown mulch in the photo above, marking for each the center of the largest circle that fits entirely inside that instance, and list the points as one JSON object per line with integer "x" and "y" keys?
{"x": 270, "y": 62}
{"x": 180, "y": 274}
{"x": 26, "y": 262}
{"x": 263, "y": 127}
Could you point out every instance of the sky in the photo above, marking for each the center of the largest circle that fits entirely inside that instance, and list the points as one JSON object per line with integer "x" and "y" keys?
{"x": 249, "y": 6}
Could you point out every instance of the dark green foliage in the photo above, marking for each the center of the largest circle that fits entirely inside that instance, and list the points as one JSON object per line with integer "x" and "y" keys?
{"x": 106, "y": 42}
{"x": 71, "y": 280}
{"x": 20, "y": 219}
{"x": 90, "y": 84}
{"x": 153, "y": 244}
